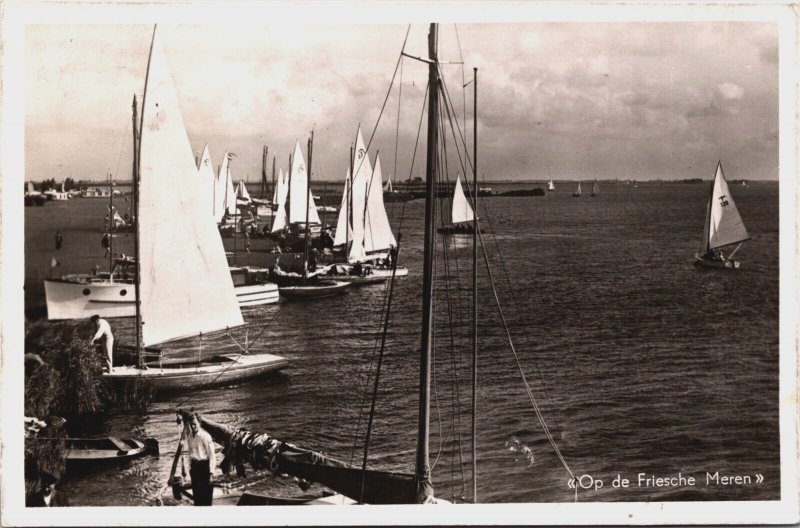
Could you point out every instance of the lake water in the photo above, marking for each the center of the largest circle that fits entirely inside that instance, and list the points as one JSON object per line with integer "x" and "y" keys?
{"x": 640, "y": 361}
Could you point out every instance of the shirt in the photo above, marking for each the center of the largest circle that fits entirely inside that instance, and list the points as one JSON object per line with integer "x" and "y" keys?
{"x": 201, "y": 447}
{"x": 103, "y": 329}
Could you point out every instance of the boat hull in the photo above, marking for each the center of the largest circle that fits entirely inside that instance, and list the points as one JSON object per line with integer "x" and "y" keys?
{"x": 718, "y": 264}
{"x": 257, "y": 294}
{"x": 224, "y": 369}
{"x": 81, "y": 299}
{"x": 87, "y": 452}
{"x": 314, "y": 291}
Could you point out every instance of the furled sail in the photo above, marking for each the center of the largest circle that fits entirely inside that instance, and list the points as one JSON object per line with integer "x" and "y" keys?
{"x": 175, "y": 303}
{"x": 377, "y": 232}
{"x": 725, "y": 225}
{"x": 263, "y": 451}
{"x": 299, "y": 197}
{"x": 344, "y": 230}
{"x": 462, "y": 212}
{"x": 207, "y": 179}
{"x": 281, "y": 220}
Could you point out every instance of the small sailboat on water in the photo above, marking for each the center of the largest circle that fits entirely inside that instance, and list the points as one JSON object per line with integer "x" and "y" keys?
{"x": 461, "y": 213}
{"x": 723, "y": 226}
{"x": 595, "y": 189}
{"x": 172, "y": 304}
{"x": 551, "y": 186}
{"x": 577, "y": 192}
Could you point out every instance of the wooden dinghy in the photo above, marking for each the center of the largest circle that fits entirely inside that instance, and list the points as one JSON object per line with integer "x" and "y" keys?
{"x": 84, "y": 452}
{"x": 316, "y": 290}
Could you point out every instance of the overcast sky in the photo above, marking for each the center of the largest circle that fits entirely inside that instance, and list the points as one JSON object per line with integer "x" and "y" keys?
{"x": 556, "y": 100}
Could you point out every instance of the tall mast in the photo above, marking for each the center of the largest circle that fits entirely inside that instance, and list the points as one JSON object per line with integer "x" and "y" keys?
{"x": 289, "y": 193}
{"x": 110, "y": 227}
{"x": 423, "y": 471}
{"x": 264, "y": 157}
{"x": 349, "y": 205}
{"x": 310, "y": 150}
{"x": 137, "y": 293}
{"x": 273, "y": 181}
{"x": 475, "y": 286}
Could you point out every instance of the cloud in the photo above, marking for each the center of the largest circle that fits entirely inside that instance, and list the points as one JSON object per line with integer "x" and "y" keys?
{"x": 730, "y": 91}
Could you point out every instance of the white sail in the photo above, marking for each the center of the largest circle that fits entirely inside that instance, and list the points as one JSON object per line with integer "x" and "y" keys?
{"x": 281, "y": 219}
{"x": 175, "y": 303}
{"x": 388, "y": 186}
{"x": 299, "y": 197}
{"x": 377, "y": 232}
{"x": 344, "y": 231}
{"x": 227, "y": 198}
{"x": 725, "y": 225}
{"x": 462, "y": 212}
{"x": 578, "y": 192}
{"x": 241, "y": 192}
{"x": 362, "y": 175}
{"x": 207, "y": 179}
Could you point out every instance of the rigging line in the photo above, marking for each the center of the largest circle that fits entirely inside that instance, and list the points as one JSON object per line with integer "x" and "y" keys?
{"x": 545, "y": 428}
{"x": 449, "y": 103}
{"x": 121, "y": 148}
{"x": 451, "y": 115}
{"x": 463, "y": 79}
{"x": 378, "y": 377}
{"x": 519, "y": 311}
{"x": 389, "y": 91}
{"x": 414, "y": 155}
{"x": 397, "y": 127}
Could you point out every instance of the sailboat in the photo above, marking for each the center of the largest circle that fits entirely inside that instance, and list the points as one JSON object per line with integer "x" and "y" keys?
{"x": 357, "y": 482}
{"x": 461, "y": 214}
{"x": 723, "y": 226}
{"x": 363, "y": 232}
{"x": 595, "y": 189}
{"x": 170, "y": 303}
{"x": 551, "y": 186}
{"x": 577, "y": 192}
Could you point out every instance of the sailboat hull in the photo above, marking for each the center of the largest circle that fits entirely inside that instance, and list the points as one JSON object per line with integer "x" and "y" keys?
{"x": 314, "y": 291}
{"x": 83, "y": 297}
{"x": 719, "y": 264}
{"x": 219, "y": 370}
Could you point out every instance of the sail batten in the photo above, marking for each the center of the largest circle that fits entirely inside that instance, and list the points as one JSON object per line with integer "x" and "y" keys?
{"x": 174, "y": 302}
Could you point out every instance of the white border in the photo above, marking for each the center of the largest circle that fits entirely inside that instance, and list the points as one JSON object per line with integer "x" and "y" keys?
{"x": 16, "y": 14}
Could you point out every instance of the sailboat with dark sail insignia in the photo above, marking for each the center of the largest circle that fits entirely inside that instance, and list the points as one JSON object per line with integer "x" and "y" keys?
{"x": 723, "y": 226}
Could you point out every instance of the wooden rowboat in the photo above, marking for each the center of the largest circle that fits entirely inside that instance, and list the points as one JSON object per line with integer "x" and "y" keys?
{"x": 96, "y": 451}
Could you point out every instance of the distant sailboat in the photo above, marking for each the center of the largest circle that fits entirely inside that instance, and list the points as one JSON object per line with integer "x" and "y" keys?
{"x": 461, "y": 213}
{"x": 577, "y": 193}
{"x": 723, "y": 226}
{"x": 595, "y": 188}
{"x": 551, "y": 186}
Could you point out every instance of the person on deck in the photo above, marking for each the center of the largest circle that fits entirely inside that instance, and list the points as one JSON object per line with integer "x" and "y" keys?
{"x": 104, "y": 332}
{"x": 203, "y": 462}
{"x": 106, "y": 243}
{"x": 59, "y": 239}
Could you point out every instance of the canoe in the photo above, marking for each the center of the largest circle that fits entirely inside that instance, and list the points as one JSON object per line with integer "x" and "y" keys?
{"x": 215, "y": 370}
{"x": 91, "y": 451}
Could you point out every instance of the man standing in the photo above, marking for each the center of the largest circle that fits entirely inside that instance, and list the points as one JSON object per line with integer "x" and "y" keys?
{"x": 203, "y": 462}
{"x": 106, "y": 243}
{"x": 59, "y": 239}
{"x": 104, "y": 332}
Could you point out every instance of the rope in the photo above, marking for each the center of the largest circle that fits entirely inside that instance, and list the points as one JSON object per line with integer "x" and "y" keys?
{"x": 545, "y": 428}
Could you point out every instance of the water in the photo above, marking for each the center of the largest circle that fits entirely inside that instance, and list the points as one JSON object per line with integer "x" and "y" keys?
{"x": 650, "y": 365}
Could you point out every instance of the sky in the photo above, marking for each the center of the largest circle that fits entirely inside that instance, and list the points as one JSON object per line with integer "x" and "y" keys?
{"x": 556, "y": 100}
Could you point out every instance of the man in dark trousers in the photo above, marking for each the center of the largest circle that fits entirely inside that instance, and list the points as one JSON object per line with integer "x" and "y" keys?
{"x": 48, "y": 495}
{"x": 203, "y": 462}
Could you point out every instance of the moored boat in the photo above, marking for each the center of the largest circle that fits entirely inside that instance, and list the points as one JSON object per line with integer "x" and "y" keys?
{"x": 87, "y": 452}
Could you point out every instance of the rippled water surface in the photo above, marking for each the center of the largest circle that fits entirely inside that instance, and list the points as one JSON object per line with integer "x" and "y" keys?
{"x": 639, "y": 361}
